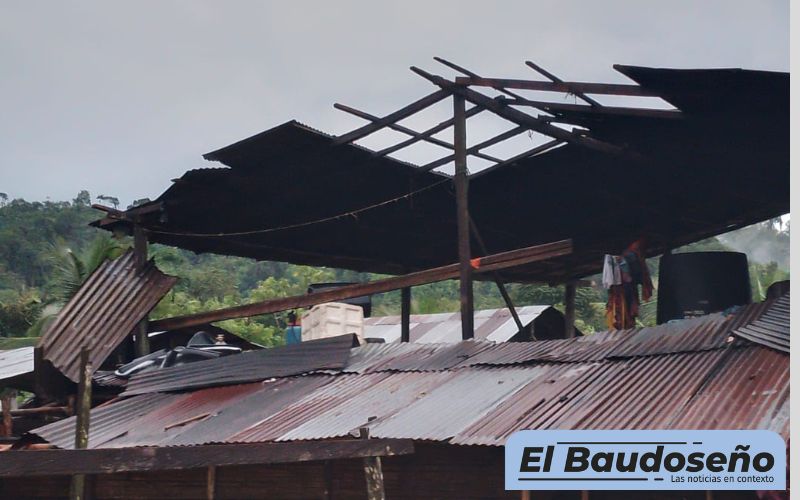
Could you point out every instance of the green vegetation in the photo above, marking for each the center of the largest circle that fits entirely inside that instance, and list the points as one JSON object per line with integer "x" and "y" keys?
{"x": 47, "y": 250}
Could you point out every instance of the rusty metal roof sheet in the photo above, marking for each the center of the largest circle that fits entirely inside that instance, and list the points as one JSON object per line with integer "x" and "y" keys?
{"x": 15, "y": 363}
{"x": 105, "y": 310}
{"x": 323, "y": 354}
{"x": 496, "y": 325}
{"x": 466, "y": 394}
{"x": 771, "y": 328}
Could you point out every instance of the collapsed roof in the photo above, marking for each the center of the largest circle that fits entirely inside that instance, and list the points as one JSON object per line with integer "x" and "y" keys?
{"x": 718, "y": 162}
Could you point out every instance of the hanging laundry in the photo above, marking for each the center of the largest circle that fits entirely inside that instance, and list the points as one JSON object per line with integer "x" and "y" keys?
{"x": 611, "y": 272}
{"x": 622, "y": 307}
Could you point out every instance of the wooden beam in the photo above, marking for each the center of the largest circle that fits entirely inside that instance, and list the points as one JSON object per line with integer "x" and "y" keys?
{"x": 527, "y": 154}
{"x": 555, "y": 79}
{"x": 565, "y": 87}
{"x": 474, "y": 150}
{"x": 142, "y": 459}
{"x": 489, "y": 263}
{"x": 424, "y": 136}
{"x": 501, "y": 286}
{"x": 398, "y": 115}
{"x": 142, "y": 343}
{"x": 211, "y": 482}
{"x": 461, "y": 180}
{"x": 415, "y": 136}
{"x": 78, "y": 481}
{"x": 554, "y": 108}
{"x": 569, "y": 309}
{"x": 524, "y": 119}
{"x": 405, "y": 314}
{"x": 373, "y": 472}
{"x": 8, "y": 422}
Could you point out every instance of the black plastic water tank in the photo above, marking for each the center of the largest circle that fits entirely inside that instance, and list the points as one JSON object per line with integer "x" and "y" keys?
{"x": 698, "y": 283}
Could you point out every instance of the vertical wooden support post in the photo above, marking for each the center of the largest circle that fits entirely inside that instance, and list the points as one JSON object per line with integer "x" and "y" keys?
{"x": 78, "y": 485}
{"x": 525, "y": 495}
{"x": 584, "y": 495}
{"x": 405, "y": 314}
{"x": 373, "y": 472}
{"x": 140, "y": 255}
{"x": 211, "y": 483}
{"x": 328, "y": 473}
{"x": 462, "y": 216}
{"x": 7, "y": 400}
{"x": 570, "y": 289}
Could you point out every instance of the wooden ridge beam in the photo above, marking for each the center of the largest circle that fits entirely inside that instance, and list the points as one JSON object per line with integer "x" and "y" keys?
{"x": 398, "y": 115}
{"x": 25, "y": 463}
{"x": 564, "y": 87}
{"x": 489, "y": 263}
{"x": 524, "y": 119}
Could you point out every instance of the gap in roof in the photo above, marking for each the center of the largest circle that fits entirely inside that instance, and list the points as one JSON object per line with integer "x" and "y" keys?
{"x": 421, "y": 153}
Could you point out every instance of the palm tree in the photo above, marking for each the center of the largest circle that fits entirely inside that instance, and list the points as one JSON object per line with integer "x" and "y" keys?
{"x": 71, "y": 272}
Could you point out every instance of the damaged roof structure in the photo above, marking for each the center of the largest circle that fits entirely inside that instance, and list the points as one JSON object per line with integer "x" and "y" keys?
{"x": 702, "y": 373}
{"x": 292, "y": 420}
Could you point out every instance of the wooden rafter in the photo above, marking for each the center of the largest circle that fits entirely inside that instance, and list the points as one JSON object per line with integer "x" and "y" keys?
{"x": 555, "y": 108}
{"x": 421, "y": 136}
{"x": 541, "y": 148}
{"x": 475, "y": 150}
{"x": 523, "y": 119}
{"x": 553, "y": 78}
{"x": 398, "y": 115}
{"x": 415, "y": 136}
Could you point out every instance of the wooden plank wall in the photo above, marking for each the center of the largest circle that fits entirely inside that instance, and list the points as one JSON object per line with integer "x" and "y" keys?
{"x": 434, "y": 471}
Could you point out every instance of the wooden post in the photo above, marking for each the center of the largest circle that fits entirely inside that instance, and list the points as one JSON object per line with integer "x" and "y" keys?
{"x": 569, "y": 309}
{"x": 405, "y": 314}
{"x": 462, "y": 216}
{"x": 373, "y": 472}
{"x": 78, "y": 485}
{"x": 211, "y": 483}
{"x": 140, "y": 254}
{"x": 328, "y": 473}
{"x": 584, "y": 495}
{"x": 8, "y": 422}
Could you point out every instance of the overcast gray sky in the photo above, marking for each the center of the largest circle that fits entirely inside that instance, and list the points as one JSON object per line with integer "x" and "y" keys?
{"x": 119, "y": 98}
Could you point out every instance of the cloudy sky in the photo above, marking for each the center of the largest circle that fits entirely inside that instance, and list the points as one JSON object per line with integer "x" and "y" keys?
{"x": 119, "y": 98}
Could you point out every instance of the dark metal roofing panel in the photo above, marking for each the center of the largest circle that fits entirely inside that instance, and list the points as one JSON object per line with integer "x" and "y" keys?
{"x": 15, "y": 362}
{"x": 748, "y": 390}
{"x": 771, "y": 328}
{"x": 323, "y": 354}
{"x": 104, "y": 311}
{"x": 107, "y": 422}
{"x": 309, "y": 407}
{"x": 366, "y": 407}
{"x": 687, "y": 335}
{"x": 229, "y": 421}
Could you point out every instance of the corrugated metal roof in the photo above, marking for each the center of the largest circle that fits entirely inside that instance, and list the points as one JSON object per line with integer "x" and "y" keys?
{"x": 105, "y": 310}
{"x": 15, "y": 362}
{"x": 490, "y": 324}
{"x": 323, "y": 354}
{"x": 652, "y": 378}
{"x": 771, "y": 328}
